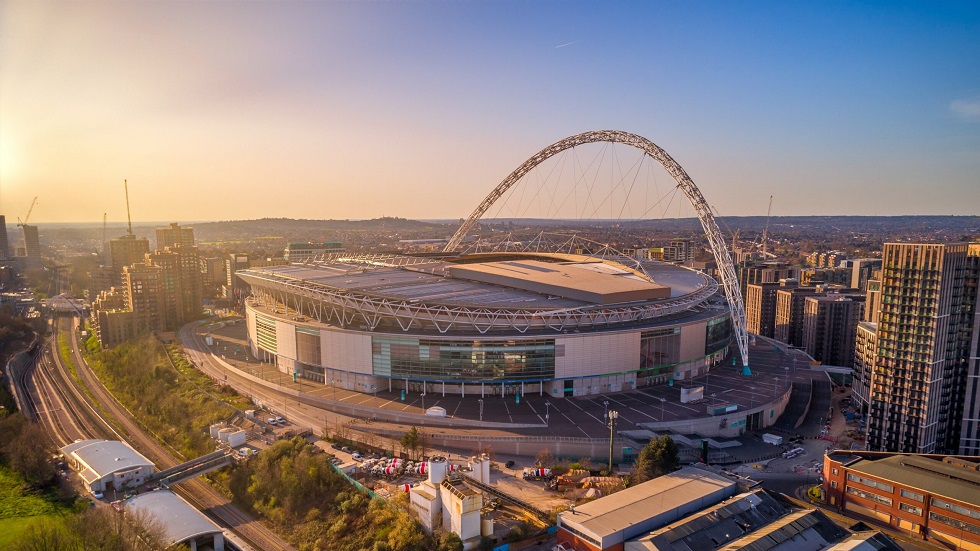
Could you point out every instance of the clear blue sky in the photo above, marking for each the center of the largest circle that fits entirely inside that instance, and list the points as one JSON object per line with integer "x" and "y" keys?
{"x": 230, "y": 110}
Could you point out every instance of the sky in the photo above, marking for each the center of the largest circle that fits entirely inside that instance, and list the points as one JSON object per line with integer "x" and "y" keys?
{"x": 220, "y": 110}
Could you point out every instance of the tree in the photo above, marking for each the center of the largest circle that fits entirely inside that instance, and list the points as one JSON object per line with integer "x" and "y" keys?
{"x": 450, "y": 542}
{"x": 544, "y": 458}
{"x": 411, "y": 441}
{"x": 657, "y": 458}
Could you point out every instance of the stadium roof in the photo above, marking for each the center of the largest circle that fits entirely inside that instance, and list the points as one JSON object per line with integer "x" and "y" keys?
{"x": 593, "y": 281}
{"x": 180, "y": 521}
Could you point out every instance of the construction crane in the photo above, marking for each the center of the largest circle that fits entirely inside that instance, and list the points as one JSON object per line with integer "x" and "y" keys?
{"x": 129, "y": 219}
{"x": 28, "y": 217}
{"x": 765, "y": 231}
{"x": 104, "y": 218}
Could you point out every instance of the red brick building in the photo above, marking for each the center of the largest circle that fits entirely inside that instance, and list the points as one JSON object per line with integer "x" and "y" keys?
{"x": 932, "y": 496}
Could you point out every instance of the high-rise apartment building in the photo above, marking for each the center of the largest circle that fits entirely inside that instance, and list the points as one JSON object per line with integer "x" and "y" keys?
{"x": 679, "y": 250}
{"x": 926, "y": 325}
{"x": 32, "y": 248}
{"x": 865, "y": 352}
{"x": 143, "y": 296}
{"x": 970, "y": 428}
{"x": 4, "y": 243}
{"x": 760, "y": 308}
{"x": 127, "y": 250}
{"x": 190, "y": 282}
{"x": 862, "y": 270}
{"x": 829, "y": 327}
{"x": 789, "y": 313}
{"x": 174, "y": 235}
{"x": 765, "y": 272}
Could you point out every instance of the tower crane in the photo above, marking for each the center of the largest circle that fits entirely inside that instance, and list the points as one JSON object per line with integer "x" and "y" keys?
{"x": 765, "y": 231}
{"x": 29, "y": 211}
{"x": 129, "y": 219}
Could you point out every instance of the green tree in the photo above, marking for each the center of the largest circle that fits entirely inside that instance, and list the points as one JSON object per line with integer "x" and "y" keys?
{"x": 412, "y": 441}
{"x": 450, "y": 542}
{"x": 657, "y": 458}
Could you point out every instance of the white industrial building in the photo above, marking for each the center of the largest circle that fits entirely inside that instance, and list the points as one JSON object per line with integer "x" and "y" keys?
{"x": 450, "y": 503}
{"x": 107, "y": 464}
{"x": 182, "y": 523}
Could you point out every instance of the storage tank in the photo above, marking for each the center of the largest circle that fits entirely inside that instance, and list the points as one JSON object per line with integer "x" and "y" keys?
{"x": 236, "y": 438}
{"x": 486, "y": 527}
{"x": 215, "y": 428}
{"x": 486, "y": 469}
{"x": 437, "y": 470}
{"x": 223, "y": 434}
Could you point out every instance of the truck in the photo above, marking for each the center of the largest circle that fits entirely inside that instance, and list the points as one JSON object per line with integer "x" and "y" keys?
{"x": 773, "y": 439}
{"x": 536, "y": 474}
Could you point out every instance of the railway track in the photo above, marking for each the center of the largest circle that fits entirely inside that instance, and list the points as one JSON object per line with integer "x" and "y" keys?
{"x": 195, "y": 491}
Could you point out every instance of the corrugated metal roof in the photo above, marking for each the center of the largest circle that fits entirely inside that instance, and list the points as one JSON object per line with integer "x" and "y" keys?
{"x": 616, "y": 512}
{"x": 180, "y": 521}
{"x": 106, "y": 456}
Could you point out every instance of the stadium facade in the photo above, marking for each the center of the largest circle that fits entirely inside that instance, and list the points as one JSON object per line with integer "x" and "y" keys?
{"x": 487, "y": 323}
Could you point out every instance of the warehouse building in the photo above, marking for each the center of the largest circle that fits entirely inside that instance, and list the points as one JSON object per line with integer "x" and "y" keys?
{"x": 107, "y": 464}
{"x": 182, "y": 523}
{"x": 607, "y": 523}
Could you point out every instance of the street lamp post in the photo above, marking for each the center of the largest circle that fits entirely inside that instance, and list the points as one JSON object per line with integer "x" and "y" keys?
{"x": 605, "y": 413}
{"x": 481, "y": 408}
{"x": 547, "y": 414}
{"x": 613, "y": 415}
{"x": 662, "y": 402}
{"x": 752, "y": 397}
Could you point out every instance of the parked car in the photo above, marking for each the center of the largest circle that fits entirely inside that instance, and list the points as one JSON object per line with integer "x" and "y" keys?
{"x": 357, "y": 457}
{"x": 281, "y": 420}
{"x": 271, "y": 420}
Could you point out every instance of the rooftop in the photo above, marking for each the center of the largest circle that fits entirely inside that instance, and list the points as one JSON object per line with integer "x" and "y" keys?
{"x": 590, "y": 281}
{"x": 930, "y": 475}
{"x": 180, "y": 521}
{"x": 715, "y": 526}
{"x": 635, "y": 505}
{"x": 102, "y": 457}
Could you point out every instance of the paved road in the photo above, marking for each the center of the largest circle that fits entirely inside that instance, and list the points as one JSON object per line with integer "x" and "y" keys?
{"x": 533, "y": 415}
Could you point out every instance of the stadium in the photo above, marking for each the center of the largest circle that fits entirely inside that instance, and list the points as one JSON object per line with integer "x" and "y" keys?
{"x": 555, "y": 324}
{"x": 569, "y": 318}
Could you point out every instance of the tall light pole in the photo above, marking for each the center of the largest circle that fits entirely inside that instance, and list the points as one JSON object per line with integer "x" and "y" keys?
{"x": 481, "y": 408}
{"x": 605, "y": 413}
{"x": 613, "y": 415}
{"x": 662, "y": 402}
{"x": 752, "y": 397}
{"x": 547, "y": 414}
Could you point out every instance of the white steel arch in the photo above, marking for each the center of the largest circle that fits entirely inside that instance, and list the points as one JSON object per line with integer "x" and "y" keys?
{"x": 715, "y": 239}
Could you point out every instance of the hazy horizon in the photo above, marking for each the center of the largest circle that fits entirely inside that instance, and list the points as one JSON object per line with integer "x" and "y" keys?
{"x": 341, "y": 110}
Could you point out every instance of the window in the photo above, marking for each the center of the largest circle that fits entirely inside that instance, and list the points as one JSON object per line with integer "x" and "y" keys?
{"x": 449, "y": 360}
{"x": 941, "y": 504}
{"x": 912, "y": 495}
{"x": 833, "y": 483}
{"x": 835, "y": 471}
{"x": 965, "y": 526}
{"x": 869, "y": 496}
{"x": 910, "y": 509}
{"x": 870, "y": 483}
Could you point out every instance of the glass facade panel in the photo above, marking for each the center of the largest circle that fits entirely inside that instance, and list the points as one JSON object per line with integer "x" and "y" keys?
{"x": 659, "y": 349}
{"x": 445, "y": 360}
{"x": 719, "y": 335}
{"x": 308, "y": 346}
{"x": 265, "y": 333}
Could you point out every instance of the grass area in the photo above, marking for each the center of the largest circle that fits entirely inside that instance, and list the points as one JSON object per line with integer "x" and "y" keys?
{"x": 19, "y": 508}
{"x": 174, "y": 401}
